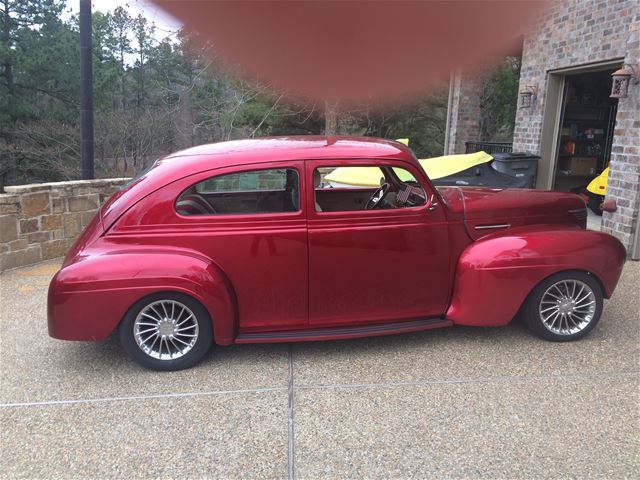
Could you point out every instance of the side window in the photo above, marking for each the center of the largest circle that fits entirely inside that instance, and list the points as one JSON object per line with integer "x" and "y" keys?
{"x": 251, "y": 191}
{"x": 341, "y": 189}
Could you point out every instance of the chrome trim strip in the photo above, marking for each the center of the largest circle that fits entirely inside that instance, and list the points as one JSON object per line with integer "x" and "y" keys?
{"x": 486, "y": 227}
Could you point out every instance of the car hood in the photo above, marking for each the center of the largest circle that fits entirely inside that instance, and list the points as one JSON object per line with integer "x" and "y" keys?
{"x": 488, "y": 210}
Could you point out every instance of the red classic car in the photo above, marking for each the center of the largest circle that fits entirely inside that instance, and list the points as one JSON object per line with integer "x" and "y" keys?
{"x": 242, "y": 242}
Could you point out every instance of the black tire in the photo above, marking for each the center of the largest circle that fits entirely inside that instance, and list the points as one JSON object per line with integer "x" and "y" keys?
{"x": 535, "y": 312}
{"x": 198, "y": 329}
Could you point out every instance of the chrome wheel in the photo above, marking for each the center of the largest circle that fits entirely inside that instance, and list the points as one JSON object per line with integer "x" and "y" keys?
{"x": 166, "y": 329}
{"x": 567, "y": 307}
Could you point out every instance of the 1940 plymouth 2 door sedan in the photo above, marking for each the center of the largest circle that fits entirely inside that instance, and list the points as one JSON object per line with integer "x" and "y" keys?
{"x": 241, "y": 242}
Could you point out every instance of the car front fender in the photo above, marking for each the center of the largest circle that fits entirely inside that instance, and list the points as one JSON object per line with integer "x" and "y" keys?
{"x": 89, "y": 298}
{"x": 496, "y": 273}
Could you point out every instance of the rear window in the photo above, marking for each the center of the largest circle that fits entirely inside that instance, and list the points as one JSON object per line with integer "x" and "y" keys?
{"x": 257, "y": 180}
{"x": 275, "y": 190}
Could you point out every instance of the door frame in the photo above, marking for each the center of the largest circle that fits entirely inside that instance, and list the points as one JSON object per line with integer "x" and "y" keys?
{"x": 553, "y": 112}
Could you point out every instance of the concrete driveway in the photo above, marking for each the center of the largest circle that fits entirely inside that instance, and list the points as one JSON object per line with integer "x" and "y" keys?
{"x": 458, "y": 402}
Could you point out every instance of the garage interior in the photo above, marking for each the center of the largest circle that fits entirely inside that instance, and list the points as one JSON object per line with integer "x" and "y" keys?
{"x": 586, "y": 129}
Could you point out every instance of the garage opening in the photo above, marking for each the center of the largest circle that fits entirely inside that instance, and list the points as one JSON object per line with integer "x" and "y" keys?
{"x": 585, "y": 131}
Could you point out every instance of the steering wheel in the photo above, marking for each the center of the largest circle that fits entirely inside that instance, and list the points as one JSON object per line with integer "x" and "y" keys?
{"x": 377, "y": 197}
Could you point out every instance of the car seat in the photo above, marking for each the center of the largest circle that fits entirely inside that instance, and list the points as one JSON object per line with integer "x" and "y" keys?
{"x": 192, "y": 203}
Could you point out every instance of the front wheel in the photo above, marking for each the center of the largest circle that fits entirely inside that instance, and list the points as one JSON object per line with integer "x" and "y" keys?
{"x": 166, "y": 331}
{"x": 564, "y": 307}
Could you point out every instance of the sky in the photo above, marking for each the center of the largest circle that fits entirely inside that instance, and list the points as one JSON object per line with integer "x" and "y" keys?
{"x": 166, "y": 25}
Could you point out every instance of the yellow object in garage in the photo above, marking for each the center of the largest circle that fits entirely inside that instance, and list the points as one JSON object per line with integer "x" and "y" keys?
{"x": 598, "y": 185}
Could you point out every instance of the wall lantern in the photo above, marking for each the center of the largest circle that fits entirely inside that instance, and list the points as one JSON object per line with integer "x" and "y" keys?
{"x": 621, "y": 80}
{"x": 528, "y": 96}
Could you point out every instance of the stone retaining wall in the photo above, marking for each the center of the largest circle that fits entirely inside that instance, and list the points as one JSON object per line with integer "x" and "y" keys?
{"x": 41, "y": 221}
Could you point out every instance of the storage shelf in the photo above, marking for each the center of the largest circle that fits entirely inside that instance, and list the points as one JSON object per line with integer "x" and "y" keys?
{"x": 571, "y": 175}
{"x": 583, "y": 120}
{"x": 591, "y": 140}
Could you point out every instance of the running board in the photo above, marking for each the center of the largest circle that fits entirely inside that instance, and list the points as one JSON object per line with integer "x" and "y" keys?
{"x": 334, "y": 333}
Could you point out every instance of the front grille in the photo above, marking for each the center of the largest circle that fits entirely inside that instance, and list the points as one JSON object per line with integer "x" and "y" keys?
{"x": 580, "y": 214}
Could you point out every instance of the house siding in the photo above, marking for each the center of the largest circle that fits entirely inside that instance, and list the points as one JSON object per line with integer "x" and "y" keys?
{"x": 582, "y": 32}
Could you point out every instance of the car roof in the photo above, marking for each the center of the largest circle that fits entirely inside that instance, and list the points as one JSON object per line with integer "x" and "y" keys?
{"x": 289, "y": 148}
{"x": 248, "y": 152}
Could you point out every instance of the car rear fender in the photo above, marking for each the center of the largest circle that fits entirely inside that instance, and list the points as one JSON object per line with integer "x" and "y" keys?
{"x": 496, "y": 273}
{"x": 125, "y": 277}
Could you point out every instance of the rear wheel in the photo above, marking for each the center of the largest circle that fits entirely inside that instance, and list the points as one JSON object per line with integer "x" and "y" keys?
{"x": 166, "y": 331}
{"x": 564, "y": 307}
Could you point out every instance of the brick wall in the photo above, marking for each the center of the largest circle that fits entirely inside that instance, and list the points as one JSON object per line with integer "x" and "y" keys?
{"x": 624, "y": 171}
{"x": 41, "y": 221}
{"x": 464, "y": 111}
{"x": 570, "y": 33}
{"x": 581, "y": 32}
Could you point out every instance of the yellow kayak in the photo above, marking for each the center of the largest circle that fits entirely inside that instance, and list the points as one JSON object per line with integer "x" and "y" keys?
{"x": 437, "y": 167}
{"x": 440, "y": 167}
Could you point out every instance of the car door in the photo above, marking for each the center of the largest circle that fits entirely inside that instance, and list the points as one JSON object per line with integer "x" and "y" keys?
{"x": 260, "y": 242}
{"x": 250, "y": 221}
{"x": 374, "y": 265}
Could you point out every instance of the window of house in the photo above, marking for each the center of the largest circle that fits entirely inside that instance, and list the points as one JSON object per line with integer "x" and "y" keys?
{"x": 251, "y": 191}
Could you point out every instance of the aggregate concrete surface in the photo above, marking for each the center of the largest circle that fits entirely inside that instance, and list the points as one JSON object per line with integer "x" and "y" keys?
{"x": 452, "y": 403}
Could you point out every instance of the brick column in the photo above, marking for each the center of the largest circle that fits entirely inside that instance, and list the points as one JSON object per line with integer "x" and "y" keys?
{"x": 624, "y": 168}
{"x": 463, "y": 116}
